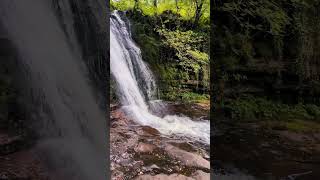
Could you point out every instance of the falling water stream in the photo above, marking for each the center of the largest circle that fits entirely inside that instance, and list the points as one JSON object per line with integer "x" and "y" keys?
{"x": 70, "y": 123}
{"x": 136, "y": 87}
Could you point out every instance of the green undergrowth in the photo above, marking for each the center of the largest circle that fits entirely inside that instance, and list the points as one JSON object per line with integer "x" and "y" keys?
{"x": 302, "y": 118}
{"x": 188, "y": 97}
{"x": 253, "y": 108}
{"x": 279, "y": 36}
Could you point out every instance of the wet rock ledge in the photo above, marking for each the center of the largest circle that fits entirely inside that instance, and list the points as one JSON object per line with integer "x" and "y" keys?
{"x": 141, "y": 153}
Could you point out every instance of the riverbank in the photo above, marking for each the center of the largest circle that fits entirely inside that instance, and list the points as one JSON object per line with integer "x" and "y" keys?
{"x": 265, "y": 150}
{"x": 141, "y": 152}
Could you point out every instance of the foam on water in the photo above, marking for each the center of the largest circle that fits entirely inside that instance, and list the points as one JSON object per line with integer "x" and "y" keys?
{"x": 136, "y": 87}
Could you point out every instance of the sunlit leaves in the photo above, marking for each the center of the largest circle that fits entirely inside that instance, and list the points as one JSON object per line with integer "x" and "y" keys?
{"x": 272, "y": 18}
{"x": 185, "y": 8}
{"x": 186, "y": 45}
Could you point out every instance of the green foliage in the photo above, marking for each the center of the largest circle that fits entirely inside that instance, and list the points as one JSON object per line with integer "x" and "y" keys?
{"x": 313, "y": 110}
{"x": 176, "y": 50}
{"x": 264, "y": 25}
{"x": 178, "y": 55}
{"x": 259, "y": 33}
{"x": 185, "y": 96}
{"x": 247, "y": 20}
{"x": 201, "y": 57}
{"x": 306, "y": 22}
{"x": 190, "y": 96}
{"x": 186, "y": 44}
{"x": 122, "y": 5}
{"x": 184, "y": 8}
{"x": 251, "y": 108}
{"x": 273, "y": 18}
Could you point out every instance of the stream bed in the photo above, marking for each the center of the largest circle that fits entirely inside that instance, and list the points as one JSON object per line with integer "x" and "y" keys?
{"x": 142, "y": 152}
{"x": 251, "y": 151}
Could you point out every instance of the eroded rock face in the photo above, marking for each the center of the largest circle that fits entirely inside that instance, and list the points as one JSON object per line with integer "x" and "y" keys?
{"x": 187, "y": 158}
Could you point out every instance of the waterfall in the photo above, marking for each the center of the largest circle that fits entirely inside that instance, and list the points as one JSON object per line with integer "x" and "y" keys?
{"x": 70, "y": 123}
{"x": 136, "y": 86}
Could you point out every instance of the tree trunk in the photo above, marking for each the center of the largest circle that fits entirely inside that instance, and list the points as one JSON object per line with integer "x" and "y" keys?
{"x": 155, "y": 3}
{"x": 199, "y": 4}
{"x": 135, "y": 4}
{"x": 177, "y": 7}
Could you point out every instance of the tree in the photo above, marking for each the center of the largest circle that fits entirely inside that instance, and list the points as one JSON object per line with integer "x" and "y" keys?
{"x": 177, "y": 6}
{"x": 198, "y": 11}
{"x": 155, "y": 3}
{"x": 136, "y": 4}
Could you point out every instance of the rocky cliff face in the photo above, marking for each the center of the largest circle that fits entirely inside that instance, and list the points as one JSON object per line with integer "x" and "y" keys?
{"x": 86, "y": 23}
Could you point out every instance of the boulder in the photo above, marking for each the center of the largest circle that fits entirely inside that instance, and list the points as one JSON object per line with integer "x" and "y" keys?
{"x": 187, "y": 158}
{"x": 144, "y": 148}
{"x": 200, "y": 175}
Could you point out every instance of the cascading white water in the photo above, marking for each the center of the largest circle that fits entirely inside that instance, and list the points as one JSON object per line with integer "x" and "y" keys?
{"x": 133, "y": 78}
{"x": 73, "y": 131}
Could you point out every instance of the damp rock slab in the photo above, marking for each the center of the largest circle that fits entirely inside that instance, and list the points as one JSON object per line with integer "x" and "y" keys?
{"x": 144, "y": 148}
{"x": 187, "y": 158}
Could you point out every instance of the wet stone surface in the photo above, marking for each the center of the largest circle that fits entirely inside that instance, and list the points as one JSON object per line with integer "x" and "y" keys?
{"x": 140, "y": 152}
{"x": 17, "y": 161}
{"x": 251, "y": 151}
